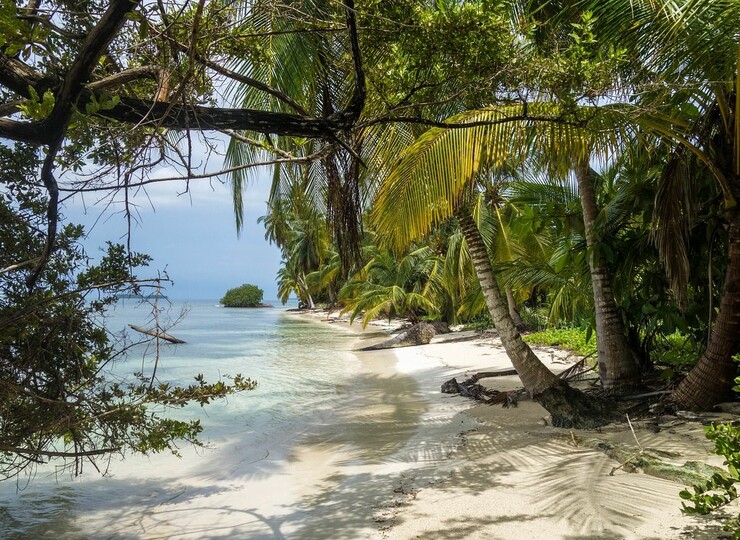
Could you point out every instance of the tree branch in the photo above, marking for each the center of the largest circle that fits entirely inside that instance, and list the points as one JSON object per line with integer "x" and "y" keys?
{"x": 126, "y": 76}
{"x": 85, "y": 62}
{"x": 52, "y": 213}
{"x": 351, "y": 113}
{"x": 464, "y": 125}
{"x": 199, "y": 118}
{"x": 52, "y": 453}
{"x": 200, "y": 176}
{"x": 17, "y": 76}
{"x": 27, "y": 132}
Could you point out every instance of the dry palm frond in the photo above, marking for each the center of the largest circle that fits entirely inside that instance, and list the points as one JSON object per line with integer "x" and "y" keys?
{"x": 671, "y": 221}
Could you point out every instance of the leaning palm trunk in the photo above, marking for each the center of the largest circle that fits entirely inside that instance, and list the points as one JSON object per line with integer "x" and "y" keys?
{"x": 306, "y": 293}
{"x": 618, "y": 369}
{"x": 711, "y": 380}
{"x": 568, "y": 407}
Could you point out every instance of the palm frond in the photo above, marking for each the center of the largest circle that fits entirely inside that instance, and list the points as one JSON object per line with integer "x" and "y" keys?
{"x": 671, "y": 222}
{"x": 432, "y": 176}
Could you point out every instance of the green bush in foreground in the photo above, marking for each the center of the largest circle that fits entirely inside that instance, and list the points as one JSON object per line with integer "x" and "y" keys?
{"x": 245, "y": 296}
{"x": 720, "y": 490}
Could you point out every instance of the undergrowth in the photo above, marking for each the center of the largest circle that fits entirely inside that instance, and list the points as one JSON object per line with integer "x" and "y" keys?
{"x": 572, "y": 339}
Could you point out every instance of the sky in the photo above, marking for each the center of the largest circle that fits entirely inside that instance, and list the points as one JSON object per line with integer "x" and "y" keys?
{"x": 192, "y": 236}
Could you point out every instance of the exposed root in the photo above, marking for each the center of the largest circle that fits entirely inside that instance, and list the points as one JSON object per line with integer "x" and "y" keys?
{"x": 571, "y": 408}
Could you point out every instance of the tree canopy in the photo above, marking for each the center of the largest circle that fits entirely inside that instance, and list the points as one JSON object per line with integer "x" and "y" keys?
{"x": 246, "y": 295}
{"x": 400, "y": 136}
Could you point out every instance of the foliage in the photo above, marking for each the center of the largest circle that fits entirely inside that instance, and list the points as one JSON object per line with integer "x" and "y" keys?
{"x": 59, "y": 399}
{"x": 246, "y": 295}
{"x": 390, "y": 287}
{"x": 534, "y": 317}
{"x": 720, "y": 489}
{"x": 649, "y": 88}
{"x": 674, "y": 354}
{"x": 572, "y": 339}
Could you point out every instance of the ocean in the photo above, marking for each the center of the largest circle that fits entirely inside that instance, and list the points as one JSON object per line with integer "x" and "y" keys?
{"x": 315, "y": 451}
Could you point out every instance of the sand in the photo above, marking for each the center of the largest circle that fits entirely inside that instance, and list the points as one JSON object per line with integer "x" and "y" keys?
{"x": 513, "y": 476}
{"x": 396, "y": 460}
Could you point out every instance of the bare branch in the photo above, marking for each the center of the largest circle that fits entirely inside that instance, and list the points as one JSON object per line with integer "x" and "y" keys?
{"x": 52, "y": 213}
{"x": 200, "y": 176}
{"x": 46, "y": 21}
{"x": 52, "y": 453}
{"x": 465, "y": 125}
{"x": 18, "y": 266}
{"x": 126, "y": 76}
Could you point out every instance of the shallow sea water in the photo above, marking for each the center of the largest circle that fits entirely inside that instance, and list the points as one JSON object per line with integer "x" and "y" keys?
{"x": 313, "y": 452}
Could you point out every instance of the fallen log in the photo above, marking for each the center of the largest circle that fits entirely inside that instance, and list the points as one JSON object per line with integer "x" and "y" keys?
{"x": 156, "y": 333}
{"x": 486, "y": 374}
{"x": 419, "y": 334}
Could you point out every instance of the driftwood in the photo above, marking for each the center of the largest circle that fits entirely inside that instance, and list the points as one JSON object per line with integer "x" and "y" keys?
{"x": 156, "y": 333}
{"x": 419, "y": 334}
{"x": 471, "y": 389}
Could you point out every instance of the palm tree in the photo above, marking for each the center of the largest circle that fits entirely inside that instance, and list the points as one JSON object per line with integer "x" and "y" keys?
{"x": 312, "y": 72}
{"x": 454, "y": 159}
{"x": 618, "y": 368}
{"x": 436, "y": 178}
{"x": 690, "y": 48}
{"x": 391, "y": 286}
{"x": 550, "y": 255}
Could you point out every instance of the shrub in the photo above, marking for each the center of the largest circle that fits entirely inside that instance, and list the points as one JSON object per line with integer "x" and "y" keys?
{"x": 573, "y": 339}
{"x": 245, "y": 296}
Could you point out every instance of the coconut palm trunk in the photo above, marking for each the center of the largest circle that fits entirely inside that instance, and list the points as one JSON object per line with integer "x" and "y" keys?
{"x": 711, "y": 380}
{"x": 568, "y": 407}
{"x": 618, "y": 369}
{"x": 307, "y": 294}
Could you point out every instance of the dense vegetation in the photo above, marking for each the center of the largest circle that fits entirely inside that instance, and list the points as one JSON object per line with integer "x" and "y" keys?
{"x": 246, "y": 295}
{"x": 572, "y": 167}
{"x": 458, "y": 160}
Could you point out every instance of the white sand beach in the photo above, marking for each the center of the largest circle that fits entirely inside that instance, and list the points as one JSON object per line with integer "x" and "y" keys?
{"x": 390, "y": 457}
{"x": 512, "y": 476}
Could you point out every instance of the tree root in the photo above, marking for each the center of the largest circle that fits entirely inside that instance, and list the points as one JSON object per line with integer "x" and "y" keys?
{"x": 471, "y": 389}
{"x": 570, "y": 408}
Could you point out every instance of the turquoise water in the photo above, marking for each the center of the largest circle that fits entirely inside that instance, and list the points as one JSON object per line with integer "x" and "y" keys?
{"x": 303, "y": 369}
{"x": 315, "y": 452}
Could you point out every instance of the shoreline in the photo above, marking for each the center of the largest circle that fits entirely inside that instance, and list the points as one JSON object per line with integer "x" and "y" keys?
{"x": 431, "y": 451}
{"x": 378, "y": 453}
{"x": 512, "y": 475}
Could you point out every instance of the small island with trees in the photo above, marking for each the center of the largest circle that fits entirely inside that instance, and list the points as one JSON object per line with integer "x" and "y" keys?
{"x": 244, "y": 296}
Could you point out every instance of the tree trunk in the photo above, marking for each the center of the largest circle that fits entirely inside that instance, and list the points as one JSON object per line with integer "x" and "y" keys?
{"x": 711, "y": 380}
{"x": 308, "y": 298}
{"x": 618, "y": 368}
{"x": 513, "y": 311}
{"x": 568, "y": 407}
